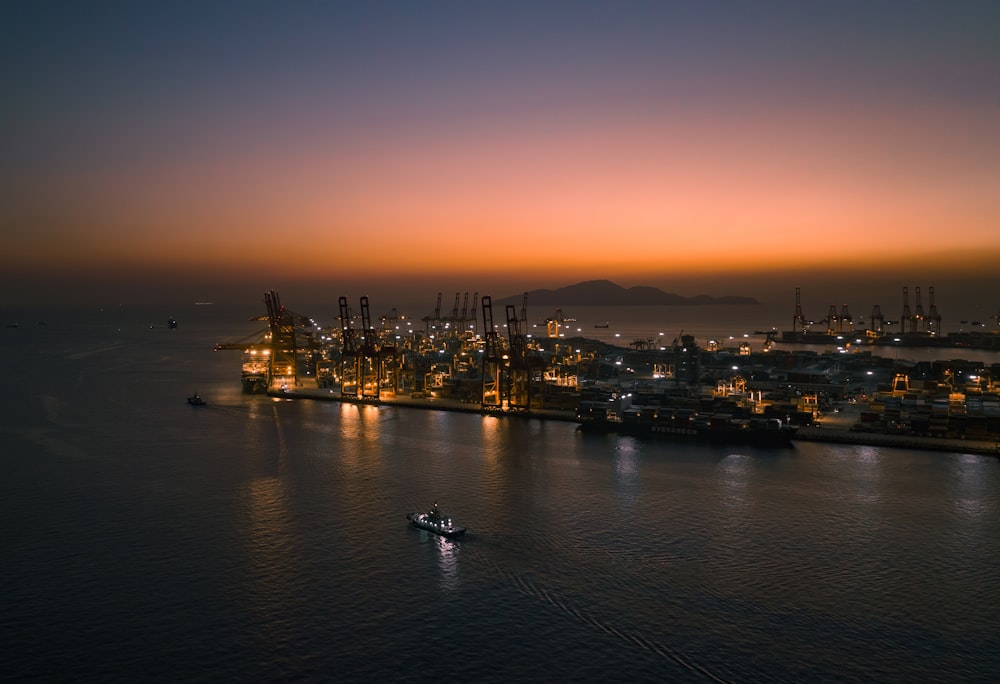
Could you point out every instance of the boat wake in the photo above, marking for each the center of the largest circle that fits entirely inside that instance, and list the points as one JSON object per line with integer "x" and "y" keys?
{"x": 532, "y": 589}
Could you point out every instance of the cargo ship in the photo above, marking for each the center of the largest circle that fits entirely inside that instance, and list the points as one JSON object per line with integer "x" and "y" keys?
{"x": 675, "y": 424}
{"x": 256, "y": 375}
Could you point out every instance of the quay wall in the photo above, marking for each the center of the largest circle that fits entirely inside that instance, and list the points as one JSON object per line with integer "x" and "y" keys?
{"x": 841, "y": 436}
{"x": 835, "y": 428}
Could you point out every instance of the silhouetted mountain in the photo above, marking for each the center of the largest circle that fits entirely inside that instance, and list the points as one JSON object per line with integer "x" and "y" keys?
{"x": 607, "y": 293}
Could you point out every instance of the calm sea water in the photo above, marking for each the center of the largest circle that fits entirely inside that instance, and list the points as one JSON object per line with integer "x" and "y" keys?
{"x": 254, "y": 539}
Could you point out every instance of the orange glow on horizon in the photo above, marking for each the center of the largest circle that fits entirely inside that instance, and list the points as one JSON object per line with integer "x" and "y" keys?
{"x": 692, "y": 197}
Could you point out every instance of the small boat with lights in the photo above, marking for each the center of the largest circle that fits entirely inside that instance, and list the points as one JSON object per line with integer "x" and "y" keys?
{"x": 196, "y": 400}
{"x": 435, "y": 521}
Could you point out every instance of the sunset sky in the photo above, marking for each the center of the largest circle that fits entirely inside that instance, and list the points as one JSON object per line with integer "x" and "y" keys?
{"x": 213, "y": 150}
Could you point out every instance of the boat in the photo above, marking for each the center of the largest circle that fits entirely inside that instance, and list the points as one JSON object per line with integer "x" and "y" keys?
{"x": 437, "y": 522}
{"x": 196, "y": 400}
{"x": 171, "y": 323}
{"x": 601, "y": 325}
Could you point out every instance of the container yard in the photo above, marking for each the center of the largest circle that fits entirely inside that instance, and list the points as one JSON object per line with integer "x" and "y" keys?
{"x": 477, "y": 360}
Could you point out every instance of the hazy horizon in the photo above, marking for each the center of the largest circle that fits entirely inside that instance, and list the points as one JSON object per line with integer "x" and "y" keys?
{"x": 955, "y": 299}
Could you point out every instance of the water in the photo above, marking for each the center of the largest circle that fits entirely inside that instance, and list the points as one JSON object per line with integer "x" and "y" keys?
{"x": 255, "y": 539}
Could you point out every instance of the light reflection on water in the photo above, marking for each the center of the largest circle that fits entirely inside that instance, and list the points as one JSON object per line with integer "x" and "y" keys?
{"x": 448, "y": 552}
{"x": 626, "y": 461}
{"x": 869, "y": 476}
{"x": 971, "y": 497}
{"x": 734, "y": 473}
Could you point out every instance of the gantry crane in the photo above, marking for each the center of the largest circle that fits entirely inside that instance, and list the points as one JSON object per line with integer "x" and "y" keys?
{"x": 877, "y": 322}
{"x": 370, "y": 376}
{"x": 933, "y": 317}
{"x": 519, "y": 372}
{"x": 350, "y": 355}
{"x": 292, "y": 344}
{"x": 282, "y": 366}
{"x": 454, "y": 309}
{"x": 907, "y": 317}
{"x": 832, "y": 320}
{"x": 472, "y": 329}
{"x": 798, "y": 320}
{"x": 493, "y": 361}
{"x": 846, "y": 319}
{"x": 378, "y": 369}
{"x": 433, "y": 320}
{"x": 918, "y": 314}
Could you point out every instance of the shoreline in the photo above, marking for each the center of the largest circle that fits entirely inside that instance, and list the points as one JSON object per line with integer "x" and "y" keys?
{"x": 834, "y": 428}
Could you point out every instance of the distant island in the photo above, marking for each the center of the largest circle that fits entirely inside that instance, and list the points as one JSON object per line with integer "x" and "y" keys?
{"x": 607, "y": 293}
